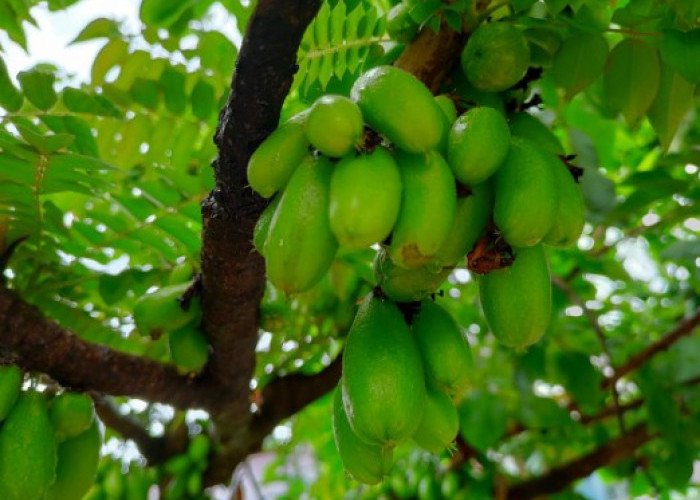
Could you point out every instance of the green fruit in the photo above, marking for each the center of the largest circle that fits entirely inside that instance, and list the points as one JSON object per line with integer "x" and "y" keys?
{"x": 440, "y": 422}
{"x": 334, "y": 125}
{"x": 301, "y": 245}
{"x": 262, "y": 226}
{"x": 472, "y": 213}
{"x": 71, "y": 414}
{"x": 400, "y": 107}
{"x": 383, "y": 381}
{"x": 525, "y": 195}
{"x": 271, "y": 165}
{"x": 525, "y": 125}
{"x": 517, "y": 300}
{"x": 113, "y": 482}
{"x": 570, "y": 211}
{"x": 400, "y": 25}
{"x": 406, "y": 285}
{"x": 10, "y": 385}
{"x": 449, "y": 113}
{"x": 27, "y": 450}
{"x": 367, "y": 463}
{"x": 194, "y": 482}
{"x": 78, "y": 458}
{"x": 161, "y": 312}
{"x": 496, "y": 57}
{"x": 189, "y": 348}
{"x": 428, "y": 489}
{"x": 478, "y": 144}
{"x": 427, "y": 209}
{"x": 365, "y": 198}
{"x": 450, "y": 484}
{"x": 182, "y": 273}
{"x": 198, "y": 450}
{"x": 444, "y": 349}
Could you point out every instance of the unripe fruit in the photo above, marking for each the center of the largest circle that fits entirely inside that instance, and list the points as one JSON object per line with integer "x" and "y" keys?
{"x": 71, "y": 414}
{"x": 301, "y": 245}
{"x": 271, "y": 165}
{"x": 496, "y": 57}
{"x": 334, "y": 125}
{"x": 406, "y": 285}
{"x": 78, "y": 458}
{"x": 10, "y": 385}
{"x": 383, "y": 380}
{"x": 189, "y": 348}
{"x": 524, "y": 194}
{"x": 440, "y": 422}
{"x": 365, "y": 462}
{"x": 365, "y": 198}
{"x": 400, "y": 107}
{"x": 570, "y": 211}
{"x": 262, "y": 226}
{"x": 472, "y": 213}
{"x": 525, "y": 125}
{"x": 445, "y": 352}
{"x": 399, "y": 24}
{"x": 517, "y": 300}
{"x": 161, "y": 312}
{"x": 427, "y": 209}
{"x": 478, "y": 144}
{"x": 27, "y": 450}
{"x": 449, "y": 113}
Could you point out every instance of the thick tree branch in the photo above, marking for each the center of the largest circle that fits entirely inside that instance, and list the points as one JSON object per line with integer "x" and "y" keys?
{"x": 233, "y": 273}
{"x": 684, "y": 328}
{"x": 561, "y": 477}
{"x": 39, "y": 344}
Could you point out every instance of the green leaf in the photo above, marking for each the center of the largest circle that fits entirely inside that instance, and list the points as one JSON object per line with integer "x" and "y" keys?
{"x": 98, "y": 28}
{"x": 631, "y": 79}
{"x": 579, "y": 62}
{"x": 173, "y": 83}
{"x": 10, "y": 98}
{"x": 673, "y": 101}
{"x": 579, "y": 377}
{"x": 681, "y": 51}
{"x": 483, "y": 419}
{"x": 112, "y": 54}
{"x": 37, "y": 86}
{"x": 163, "y": 13}
{"x": 47, "y": 143}
{"x": 12, "y": 25}
{"x": 145, "y": 92}
{"x": 203, "y": 100}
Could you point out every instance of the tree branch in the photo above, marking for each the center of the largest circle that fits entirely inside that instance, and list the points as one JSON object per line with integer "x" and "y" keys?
{"x": 39, "y": 344}
{"x": 561, "y": 477}
{"x": 233, "y": 273}
{"x": 684, "y": 328}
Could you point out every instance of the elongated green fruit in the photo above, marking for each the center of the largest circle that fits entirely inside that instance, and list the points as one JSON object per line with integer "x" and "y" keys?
{"x": 262, "y": 226}
{"x": 525, "y": 125}
{"x": 301, "y": 245}
{"x": 188, "y": 348}
{"x": 10, "y": 385}
{"x": 27, "y": 450}
{"x": 161, "y": 312}
{"x": 472, "y": 213}
{"x": 440, "y": 422}
{"x": 406, "y": 285}
{"x": 445, "y": 352}
{"x": 368, "y": 463}
{"x": 78, "y": 458}
{"x": 273, "y": 163}
{"x": 400, "y": 107}
{"x": 478, "y": 144}
{"x": 365, "y": 198}
{"x": 71, "y": 414}
{"x": 383, "y": 380}
{"x": 570, "y": 211}
{"x": 449, "y": 113}
{"x": 334, "y": 125}
{"x": 427, "y": 209}
{"x": 517, "y": 300}
{"x": 524, "y": 195}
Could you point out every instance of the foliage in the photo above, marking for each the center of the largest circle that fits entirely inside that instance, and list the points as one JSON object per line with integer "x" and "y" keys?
{"x": 105, "y": 180}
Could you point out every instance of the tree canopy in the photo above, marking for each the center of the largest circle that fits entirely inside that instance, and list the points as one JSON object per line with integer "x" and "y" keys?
{"x": 135, "y": 181}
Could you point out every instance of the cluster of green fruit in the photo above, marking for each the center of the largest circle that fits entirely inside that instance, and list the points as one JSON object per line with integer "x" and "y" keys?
{"x": 398, "y": 383}
{"x": 115, "y": 482}
{"x": 49, "y": 446}
{"x": 186, "y": 470}
{"x": 169, "y": 311}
